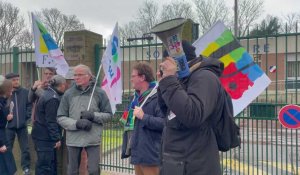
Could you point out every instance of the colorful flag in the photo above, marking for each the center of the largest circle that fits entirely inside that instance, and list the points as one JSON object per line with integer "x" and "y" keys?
{"x": 111, "y": 61}
{"x": 47, "y": 53}
{"x": 272, "y": 69}
{"x": 242, "y": 78}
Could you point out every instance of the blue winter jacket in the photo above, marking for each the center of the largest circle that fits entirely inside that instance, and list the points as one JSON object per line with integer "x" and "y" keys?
{"x": 22, "y": 109}
{"x": 146, "y": 136}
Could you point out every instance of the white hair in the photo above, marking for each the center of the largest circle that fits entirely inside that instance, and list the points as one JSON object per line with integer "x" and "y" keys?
{"x": 84, "y": 67}
{"x": 57, "y": 80}
{"x": 2, "y": 78}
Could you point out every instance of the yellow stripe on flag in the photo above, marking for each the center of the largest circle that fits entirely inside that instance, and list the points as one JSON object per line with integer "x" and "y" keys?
{"x": 226, "y": 59}
{"x": 210, "y": 49}
{"x": 43, "y": 47}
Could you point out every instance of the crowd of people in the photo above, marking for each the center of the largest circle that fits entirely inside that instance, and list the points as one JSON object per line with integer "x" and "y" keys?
{"x": 52, "y": 105}
{"x": 166, "y": 125}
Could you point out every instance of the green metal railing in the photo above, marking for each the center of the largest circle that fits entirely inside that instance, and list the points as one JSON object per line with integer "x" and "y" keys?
{"x": 267, "y": 147}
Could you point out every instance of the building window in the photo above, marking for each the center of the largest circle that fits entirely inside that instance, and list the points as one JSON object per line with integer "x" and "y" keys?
{"x": 257, "y": 59}
{"x": 293, "y": 71}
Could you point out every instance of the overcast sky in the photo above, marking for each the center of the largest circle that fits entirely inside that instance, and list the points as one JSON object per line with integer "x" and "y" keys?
{"x": 100, "y": 16}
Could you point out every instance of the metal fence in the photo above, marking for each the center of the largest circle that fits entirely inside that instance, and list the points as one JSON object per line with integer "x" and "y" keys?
{"x": 267, "y": 147}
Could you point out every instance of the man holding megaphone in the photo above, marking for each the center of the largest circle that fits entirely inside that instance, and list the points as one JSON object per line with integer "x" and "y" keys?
{"x": 188, "y": 94}
{"x": 189, "y": 143}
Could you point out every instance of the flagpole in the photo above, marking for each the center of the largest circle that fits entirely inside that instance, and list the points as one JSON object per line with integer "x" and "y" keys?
{"x": 91, "y": 98}
{"x": 150, "y": 94}
{"x": 38, "y": 73}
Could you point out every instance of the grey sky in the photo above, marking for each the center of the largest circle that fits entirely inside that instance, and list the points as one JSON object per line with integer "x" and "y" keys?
{"x": 100, "y": 16}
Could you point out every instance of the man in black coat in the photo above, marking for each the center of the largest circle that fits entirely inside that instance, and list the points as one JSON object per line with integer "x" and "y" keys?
{"x": 46, "y": 133}
{"x": 189, "y": 143}
{"x": 18, "y": 125}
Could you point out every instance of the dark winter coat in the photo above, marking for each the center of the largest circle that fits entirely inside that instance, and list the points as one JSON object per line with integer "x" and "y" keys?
{"x": 4, "y": 110}
{"x": 7, "y": 161}
{"x": 45, "y": 126}
{"x": 188, "y": 138}
{"x": 146, "y": 136}
{"x": 21, "y": 110}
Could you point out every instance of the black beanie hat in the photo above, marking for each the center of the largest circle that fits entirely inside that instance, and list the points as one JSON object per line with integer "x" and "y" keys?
{"x": 11, "y": 75}
{"x": 188, "y": 49}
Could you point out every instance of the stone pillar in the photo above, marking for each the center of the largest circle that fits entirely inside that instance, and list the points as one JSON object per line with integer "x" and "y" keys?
{"x": 79, "y": 48}
{"x": 190, "y": 31}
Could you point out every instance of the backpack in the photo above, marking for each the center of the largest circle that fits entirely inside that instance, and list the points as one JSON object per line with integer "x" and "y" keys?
{"x": 227, "y": 132}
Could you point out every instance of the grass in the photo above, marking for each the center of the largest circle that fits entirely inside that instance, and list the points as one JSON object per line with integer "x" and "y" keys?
{"x": 111, "y": 139}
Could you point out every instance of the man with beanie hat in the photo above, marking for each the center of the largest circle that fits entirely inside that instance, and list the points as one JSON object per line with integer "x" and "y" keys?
{"x": 189, "y": 143}
{"x": 18, "y": 125}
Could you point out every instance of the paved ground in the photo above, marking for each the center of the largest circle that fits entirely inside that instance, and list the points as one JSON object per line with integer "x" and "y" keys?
{"x": 114, "y": 173}
{"x": 265, "y": 151}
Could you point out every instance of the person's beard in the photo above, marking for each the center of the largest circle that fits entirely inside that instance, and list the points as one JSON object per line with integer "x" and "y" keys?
{"x": 16, "y": 87}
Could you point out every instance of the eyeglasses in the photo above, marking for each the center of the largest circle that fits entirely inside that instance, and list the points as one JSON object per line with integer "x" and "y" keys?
{"x": 132, "y": 76}
{"x": 79, "y": 75}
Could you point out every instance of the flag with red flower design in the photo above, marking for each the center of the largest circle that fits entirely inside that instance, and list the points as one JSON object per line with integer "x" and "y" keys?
{"x": 242, "y": 78}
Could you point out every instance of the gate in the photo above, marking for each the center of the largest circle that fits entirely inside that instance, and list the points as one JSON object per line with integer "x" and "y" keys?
{"x": 267, "y": 147}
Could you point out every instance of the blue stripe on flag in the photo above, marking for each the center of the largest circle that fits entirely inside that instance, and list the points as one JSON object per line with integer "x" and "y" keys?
{"x": 50, "y": 43}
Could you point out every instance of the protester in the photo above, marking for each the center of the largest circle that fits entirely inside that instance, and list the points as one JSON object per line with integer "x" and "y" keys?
{"x": 83, "y": 126}
{"x": 189, "y": 143}
{"x": 46, "y": 132}
{"x": 146, "y": 121}
{"x": 40, "y": 85}
{"x": 38, "y": 88}
{"x": 18, "y": 125}
{"x": 7, "y": 161}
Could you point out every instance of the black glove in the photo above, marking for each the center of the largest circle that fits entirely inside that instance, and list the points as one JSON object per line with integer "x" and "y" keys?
{"x": 84, "y": 124}
{"x": 87, "y": 115}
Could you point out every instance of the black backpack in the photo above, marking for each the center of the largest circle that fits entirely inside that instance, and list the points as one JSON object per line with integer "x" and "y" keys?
{"x": 226, "y": 130}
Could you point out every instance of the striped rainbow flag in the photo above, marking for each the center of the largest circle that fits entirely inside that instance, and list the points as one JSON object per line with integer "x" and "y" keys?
{"x": 47, "y": 53}
{"x": 242, "y": 78}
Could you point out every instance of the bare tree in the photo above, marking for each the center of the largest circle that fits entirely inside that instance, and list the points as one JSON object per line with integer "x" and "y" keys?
{"x": 248, "y": 12}
{"x": 130, "y": 30}
{"x": 11, "y": 25}
{"x": 25, "y": 39}
{"x": 176, "y": 9}
{"x": 57, "y": 23}
{"x": 147, "y": 16}
{"x": 291, "y": 21}
{"x": 209, "y": 12}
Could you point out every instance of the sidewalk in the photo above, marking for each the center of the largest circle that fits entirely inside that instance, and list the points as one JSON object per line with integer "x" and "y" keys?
{"x": 105, "y": 172}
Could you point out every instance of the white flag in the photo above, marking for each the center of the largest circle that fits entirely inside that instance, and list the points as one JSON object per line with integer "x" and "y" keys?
{"x": 47, "y": 53}
{"x": 111, "y": 61}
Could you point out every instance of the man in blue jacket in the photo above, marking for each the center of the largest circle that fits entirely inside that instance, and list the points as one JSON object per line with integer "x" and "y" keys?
{"x": 18, "y": 125}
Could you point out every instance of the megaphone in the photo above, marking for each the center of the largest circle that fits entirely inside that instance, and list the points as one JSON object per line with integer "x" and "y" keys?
{"x": 169, "y": 32}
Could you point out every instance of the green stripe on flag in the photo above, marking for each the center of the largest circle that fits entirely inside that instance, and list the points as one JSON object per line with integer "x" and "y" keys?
{"x": 225, "y": 38}
{"x": 41, "y": 28}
